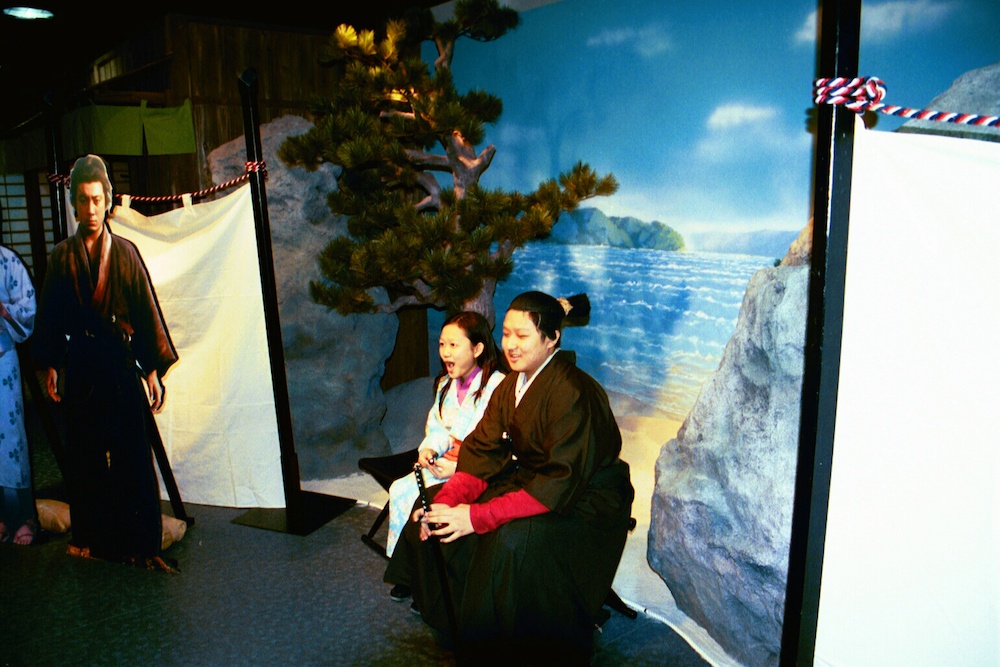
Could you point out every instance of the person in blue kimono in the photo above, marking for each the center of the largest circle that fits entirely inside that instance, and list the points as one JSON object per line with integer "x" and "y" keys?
{"x": 18, "y": 518}
{"x": 471, "y": 368}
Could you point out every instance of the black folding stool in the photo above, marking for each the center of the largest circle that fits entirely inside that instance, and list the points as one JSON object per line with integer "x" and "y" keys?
{"x": 385, "y": 470}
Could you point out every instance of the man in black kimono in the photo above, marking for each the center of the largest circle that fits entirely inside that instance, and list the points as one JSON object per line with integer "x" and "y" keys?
{"x": 98, "y": 316}
{"x": 533, "y": 523}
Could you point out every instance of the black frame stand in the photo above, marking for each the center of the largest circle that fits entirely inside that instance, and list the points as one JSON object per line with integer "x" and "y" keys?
{"x": 839, "y": 43}
{"x": 163, "y": 463}
{"x": 304, "y": 511}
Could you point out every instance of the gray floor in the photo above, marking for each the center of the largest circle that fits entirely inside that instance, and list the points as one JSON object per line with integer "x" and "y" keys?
{"x": 244, "y": 596}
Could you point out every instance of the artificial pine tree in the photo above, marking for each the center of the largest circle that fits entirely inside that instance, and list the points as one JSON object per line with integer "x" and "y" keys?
{"x": 420, "y": 225}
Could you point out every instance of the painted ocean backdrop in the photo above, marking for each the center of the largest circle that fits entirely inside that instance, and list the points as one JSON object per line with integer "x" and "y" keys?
{"x": 659, "y": 321}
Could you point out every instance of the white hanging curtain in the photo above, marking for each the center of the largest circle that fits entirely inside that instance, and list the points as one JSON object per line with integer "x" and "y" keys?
{"x": 219, "y": 425}
{"x": 911, "y": 570}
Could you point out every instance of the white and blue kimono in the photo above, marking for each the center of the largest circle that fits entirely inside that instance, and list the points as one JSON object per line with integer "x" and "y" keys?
{"x": 18, "y": 297}
{"x": 452, "y": 421}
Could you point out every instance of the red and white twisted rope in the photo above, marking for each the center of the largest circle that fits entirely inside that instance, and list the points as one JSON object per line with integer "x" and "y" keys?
{"x": 251, "y": 167}
{"x": 861, "y": 94}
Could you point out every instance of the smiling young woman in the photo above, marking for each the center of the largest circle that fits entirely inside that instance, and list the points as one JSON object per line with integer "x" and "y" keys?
{"x": 471, "y": 369}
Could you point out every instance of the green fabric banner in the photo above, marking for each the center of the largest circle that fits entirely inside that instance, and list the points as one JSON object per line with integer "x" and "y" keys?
{"x": 106, "y": 130}
{"x": 169, "y": 131}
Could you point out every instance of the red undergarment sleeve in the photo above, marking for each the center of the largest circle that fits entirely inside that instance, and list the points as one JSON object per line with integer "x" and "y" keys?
{"x": 460, "y": 488}
{"x": 497, "y": 511}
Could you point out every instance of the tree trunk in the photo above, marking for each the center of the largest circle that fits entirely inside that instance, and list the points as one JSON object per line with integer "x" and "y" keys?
{"x": 482, "y": 303}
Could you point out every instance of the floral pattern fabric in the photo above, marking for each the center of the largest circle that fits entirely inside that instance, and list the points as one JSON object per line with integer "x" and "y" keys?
{"x": 17, "y": 294}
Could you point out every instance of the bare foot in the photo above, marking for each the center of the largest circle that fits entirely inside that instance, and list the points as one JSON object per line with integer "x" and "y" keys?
{"x": 25, "y": 534}
{"x": 3, "y": 532}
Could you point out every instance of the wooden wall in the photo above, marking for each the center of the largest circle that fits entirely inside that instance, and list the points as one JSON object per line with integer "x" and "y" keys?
{"x": 202, "y": 61}
{"x": 207, "y": 60}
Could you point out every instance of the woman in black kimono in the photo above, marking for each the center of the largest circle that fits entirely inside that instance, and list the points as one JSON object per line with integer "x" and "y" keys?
{"x": 533, "y": 523}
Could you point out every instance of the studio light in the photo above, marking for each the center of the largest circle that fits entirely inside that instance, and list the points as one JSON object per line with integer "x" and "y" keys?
{"x": 27, "y": 13}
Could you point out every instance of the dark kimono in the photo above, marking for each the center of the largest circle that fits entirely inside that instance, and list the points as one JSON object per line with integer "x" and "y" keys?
{"x": 531, "y": 591}
{"x": 99, "y": 317}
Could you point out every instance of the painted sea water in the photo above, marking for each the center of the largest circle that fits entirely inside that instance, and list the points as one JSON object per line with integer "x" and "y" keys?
{"x": 659, "y": 320}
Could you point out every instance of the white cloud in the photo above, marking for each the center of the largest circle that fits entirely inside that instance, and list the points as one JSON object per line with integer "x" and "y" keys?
{"x": 807, "y": 33}
{"x": 611, "y": 37}
{"x": 882, "y": 21}
{"x": 648, "y": 42}
{"x": 729, "y": 116}
{"x": 513, "y": 134}
{"x": 887, "y": 20}
{"x": 652, "y": 42}
{"x": 736, "y": 131}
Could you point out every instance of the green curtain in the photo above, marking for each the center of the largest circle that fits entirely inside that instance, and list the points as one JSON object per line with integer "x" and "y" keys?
{"x": 169, "y": 131}
{"x": 106, "y": 130}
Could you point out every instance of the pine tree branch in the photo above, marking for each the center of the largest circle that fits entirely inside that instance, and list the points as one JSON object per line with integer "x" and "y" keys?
{"x": 422, "y": 289}
{"x": 446, "y": 51}
{"x": 408, "y": 115}
{"x": 397, "y": 303}
{"x": 433, "y": 199}
{"x": 466, "y": 166}
{"x": 421, "y": 298}
{"x": 427, "y": 160}
{"x": 505, "y": 249}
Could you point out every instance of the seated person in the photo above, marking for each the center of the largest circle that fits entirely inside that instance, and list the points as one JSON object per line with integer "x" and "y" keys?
{"x": 533, "y": 523}
{"x": 471, "y": 368}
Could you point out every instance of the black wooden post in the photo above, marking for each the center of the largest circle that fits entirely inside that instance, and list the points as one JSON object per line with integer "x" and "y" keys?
{"x": 839, "y": 42}
{"x": 57, "y": 200}
{"x": 304, "y": 511}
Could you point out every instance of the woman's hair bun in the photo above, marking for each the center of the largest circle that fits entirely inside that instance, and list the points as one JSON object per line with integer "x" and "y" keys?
{"x": 579, "y": 306}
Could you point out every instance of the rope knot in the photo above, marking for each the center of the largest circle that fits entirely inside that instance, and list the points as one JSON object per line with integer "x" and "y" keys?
{"x": 252, "y": 166}
{"x": 866, "y": 94}
{"x": 874, "y": 93}
{"x": 855, "y": 94}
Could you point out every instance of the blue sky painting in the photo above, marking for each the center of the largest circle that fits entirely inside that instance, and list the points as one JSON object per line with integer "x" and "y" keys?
{"x": 699, "y": 108}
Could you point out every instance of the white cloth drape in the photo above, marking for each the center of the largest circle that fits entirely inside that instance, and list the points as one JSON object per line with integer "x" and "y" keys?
{"x": 911, "y": 570}
{"x": 218, "y": 425}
